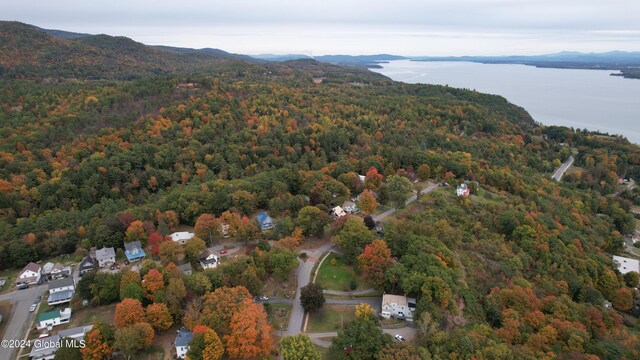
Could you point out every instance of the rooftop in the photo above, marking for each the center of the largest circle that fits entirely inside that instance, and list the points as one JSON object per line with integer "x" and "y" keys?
{"x": 184, "y": 337}
{"x": 49, "y": 315}
{"x": 133, "y": 247}
{"x": 55, "y": 284}
{"x": 182, "y": 235}
{"x": 105, "y": 253}
{"x": 394, "y": 299}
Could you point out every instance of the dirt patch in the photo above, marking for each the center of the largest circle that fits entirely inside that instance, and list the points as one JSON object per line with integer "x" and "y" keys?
{"x": 281, "y": 289}
{"x": 6, "y": 308}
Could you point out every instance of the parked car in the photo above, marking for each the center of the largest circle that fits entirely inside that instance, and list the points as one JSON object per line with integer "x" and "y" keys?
{"x": 33, "y": 308}
{"x": 37, "y": 300}
{"x": 263, "y": 298}
{"x": 400, "y": 338}
{"x": 222, "y": 252}
{"x": 22, "y": 286}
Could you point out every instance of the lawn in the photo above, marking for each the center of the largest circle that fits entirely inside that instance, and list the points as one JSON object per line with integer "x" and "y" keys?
{"x": 331, "y": 318}
{"x": 339, "y": 276}
{"x": 281, "y": 289}
{"x": 10, "y": 279}
{"x": 89, "y": 314}
{"x": 279, "y": 316}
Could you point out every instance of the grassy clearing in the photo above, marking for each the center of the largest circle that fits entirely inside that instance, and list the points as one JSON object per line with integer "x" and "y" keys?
{"x": 279, "y": 316}
{"x": 331, "y": 318}
{"x": 89, "y": 315}
{"x": 281, "y": 289}
{"x": 339, "y": 276}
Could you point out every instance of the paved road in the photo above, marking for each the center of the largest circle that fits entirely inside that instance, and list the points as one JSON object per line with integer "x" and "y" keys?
{"x": 375, "y": 302}
{"x": 414, "y": 197}
{"x": 303, "y": 273}
{"x": 350, "y": 293}
{"x": 22, "y": 319}
{"x": 561, "y": 170}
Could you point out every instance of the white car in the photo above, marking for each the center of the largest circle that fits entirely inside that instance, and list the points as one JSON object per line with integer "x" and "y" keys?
{"x": 33, "y": 308}
{"x": 263, "y": 298}
{"x": 400, "y": 338}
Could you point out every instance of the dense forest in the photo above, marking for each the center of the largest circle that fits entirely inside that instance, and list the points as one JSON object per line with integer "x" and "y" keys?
{"x": 97, "y": 130}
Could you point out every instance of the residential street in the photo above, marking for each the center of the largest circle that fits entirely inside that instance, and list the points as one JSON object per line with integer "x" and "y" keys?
{"x": 22, "y": 318}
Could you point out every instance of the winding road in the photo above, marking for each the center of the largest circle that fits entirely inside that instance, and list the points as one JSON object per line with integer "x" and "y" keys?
{"x": 561, "y": 170}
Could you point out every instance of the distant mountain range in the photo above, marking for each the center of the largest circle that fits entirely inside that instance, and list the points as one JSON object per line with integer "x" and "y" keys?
{"x": 627, "y": 62}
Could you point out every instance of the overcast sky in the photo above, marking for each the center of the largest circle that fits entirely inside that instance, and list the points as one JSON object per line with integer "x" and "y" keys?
{"x": 403, "y": 27}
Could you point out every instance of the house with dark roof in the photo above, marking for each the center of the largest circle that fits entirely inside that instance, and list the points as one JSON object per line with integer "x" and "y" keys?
{"x": 87, "y": 265}
{"x": 208, "y": 260}
{"x": 30, "y": 274}
{"x": 133, "y": 251}
{"x": 61, "y": 291}
{"x": 106, "y": 257}
{"x": 264, "y": 221}
{"x": 183, "y": 338}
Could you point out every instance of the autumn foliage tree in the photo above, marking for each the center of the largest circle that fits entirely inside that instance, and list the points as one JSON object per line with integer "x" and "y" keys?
{"x": 154, "y": 242}
{"x": 622, "y": 299}
{"x": 374, "y": 261}
{"x": 134, "y": 338}
{"x": 367, "y": 201}
{"x": 219, "y": 306}
{"x": 128, "y": 281}
{"x": 250, "y": 333}
{"x": 170, "y": 251}
{"x": 136, "y": 232}
{"x": 298, "y": 347}
{"x": 96, "y": 347}
{"x": 373, "y": 179}
{"x": 205, "y": 345}
{"x": 158, "y": 316}
{"x": 128, "y": 312}
{"x": 207, "y": 228}
{"x": 153, "y": 282}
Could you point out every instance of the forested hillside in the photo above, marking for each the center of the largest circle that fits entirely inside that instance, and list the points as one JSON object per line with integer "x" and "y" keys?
{"x": 518, "y": 270}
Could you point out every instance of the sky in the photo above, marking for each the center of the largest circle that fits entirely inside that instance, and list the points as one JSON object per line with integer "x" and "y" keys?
{"x": 312, "y": 27}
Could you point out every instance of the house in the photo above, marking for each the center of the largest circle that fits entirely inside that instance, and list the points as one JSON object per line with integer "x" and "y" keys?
{"x": 133, "y": 251}
{"x": 182, "y": 236}
{"x": 362, "y": 178}
{"x": 462, "y": 190}
{"x": 338, "y": 212}
{"x": 49, "y": 319}
{"x": 208, "y": 260}
{"x": 397, "y": 306}
{"x": 186, "y": 269}
{"x": 60, "y": 271}
{"x": 46, "y": 270}
{"x": 264, "y": 221}
{"x": 350, "y": 207}
{"x": 45, "y": 348}
{"x": 30, "y": 274}
{"x": 626, "y": 265}
{"x": 183, "y": 338}
{"x": 106, "y": 257}
{"x": 61, "y": 285}
{"x": 607, "y": 304}
{"x": 86, "y": 265}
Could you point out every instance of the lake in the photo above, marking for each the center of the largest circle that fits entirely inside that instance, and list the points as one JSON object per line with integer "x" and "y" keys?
{"x": 585, "y": 99}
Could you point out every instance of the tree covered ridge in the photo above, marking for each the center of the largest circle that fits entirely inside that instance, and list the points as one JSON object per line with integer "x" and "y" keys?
{"x": 518, "y": 273}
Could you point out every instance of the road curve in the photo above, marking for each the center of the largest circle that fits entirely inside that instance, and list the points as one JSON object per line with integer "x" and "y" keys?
{"x": 561, "y": 170}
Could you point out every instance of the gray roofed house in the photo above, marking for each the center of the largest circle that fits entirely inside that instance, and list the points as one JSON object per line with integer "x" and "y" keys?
{"x": 183, "y": 338}
{"x": 186, "y": 269}
{"x": 60, "y": 297}
{"x": 86, "y": 265}
{"x": 46, "y": 348}
{"x": 106, "y": 257}
{"x": 61, "y": 285}
{"x": 133, "y": 251}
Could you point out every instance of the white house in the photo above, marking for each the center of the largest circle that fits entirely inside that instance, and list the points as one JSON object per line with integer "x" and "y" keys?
{"x": 626, "y": 265}
{"x": 59, "y": 271}
{"x": 182, "y": 236}
{"x": 49, "y": 319}
{"x": 183, "y": 338}
{"x": 462, "y": 190}
{"x": 397, "y": 306}
{"x": 350, "y": 207}
{"x": 209, "y": 260}
{"x": 338, "y": 212}
{"x": 106, "y": 257}
{"x": 61, "y": 285}
{"x": 30, "y": 274}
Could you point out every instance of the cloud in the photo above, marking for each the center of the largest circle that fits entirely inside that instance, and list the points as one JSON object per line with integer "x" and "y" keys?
{"x": 331, "y": 26}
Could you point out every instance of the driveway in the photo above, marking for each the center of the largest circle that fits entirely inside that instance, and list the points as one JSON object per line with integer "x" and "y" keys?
{"x": 304, "y": 273}
{"x": 321, "y": 340}
{"x": 22, "y": 319}
{"x": 414, "y": 197}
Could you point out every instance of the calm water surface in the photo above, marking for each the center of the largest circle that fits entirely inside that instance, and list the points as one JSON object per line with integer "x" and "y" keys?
{"x": 590, "y": 99}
